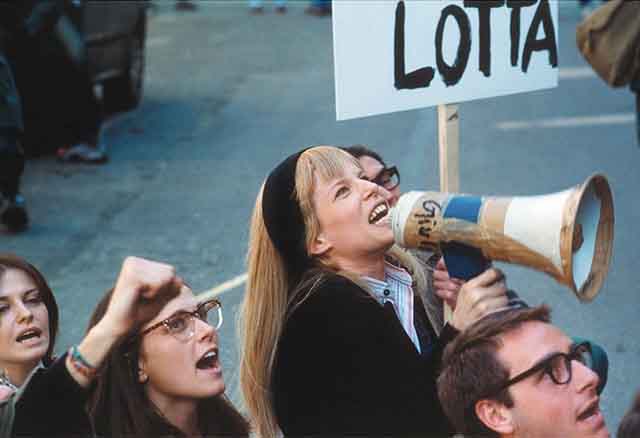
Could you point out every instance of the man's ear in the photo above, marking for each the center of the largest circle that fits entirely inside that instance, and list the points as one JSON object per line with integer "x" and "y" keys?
{"x": 320, "y": 245}
{"x": 495, "y": 415}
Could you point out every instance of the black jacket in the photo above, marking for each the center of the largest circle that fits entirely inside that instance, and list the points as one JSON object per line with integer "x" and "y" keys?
{"x": 345, "y": 366}
{"x": 52, "y": 404}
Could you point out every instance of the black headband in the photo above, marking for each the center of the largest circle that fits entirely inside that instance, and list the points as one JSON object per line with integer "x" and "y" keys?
{"x": 283, "y": 217}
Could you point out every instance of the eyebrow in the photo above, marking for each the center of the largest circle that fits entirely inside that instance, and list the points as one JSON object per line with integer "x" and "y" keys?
{"x": 548, "y": 355}
{"x": 378, "y": 174}
{"x": 544, "y": 358}
{"x": 337, "y": 182}
{"x": 179, "y": 311}
{"x": 6, "y": 299}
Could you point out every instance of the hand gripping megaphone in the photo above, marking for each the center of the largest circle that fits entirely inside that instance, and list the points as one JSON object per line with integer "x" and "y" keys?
{"x": 568, "y": 234}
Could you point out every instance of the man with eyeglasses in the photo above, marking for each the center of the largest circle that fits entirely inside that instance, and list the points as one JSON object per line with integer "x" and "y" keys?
{"x": 514, "y": 374}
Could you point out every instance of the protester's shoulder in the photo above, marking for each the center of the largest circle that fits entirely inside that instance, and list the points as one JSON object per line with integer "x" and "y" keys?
{"x": 329, "y": 287}
{"x": 332, "y": 306}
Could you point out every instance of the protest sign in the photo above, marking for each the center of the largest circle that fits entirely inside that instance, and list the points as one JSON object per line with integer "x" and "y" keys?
{"x": 400, "y": 55}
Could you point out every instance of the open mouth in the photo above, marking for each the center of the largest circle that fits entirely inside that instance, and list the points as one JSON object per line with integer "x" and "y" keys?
{"x": 590, "y": 411}
{"x": 208, "y": 360}
{"x": 29, "y": 334}
{"x": 378, "y": 213}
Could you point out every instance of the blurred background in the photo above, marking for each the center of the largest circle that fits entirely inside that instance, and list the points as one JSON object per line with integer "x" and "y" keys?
{"x": 196, "y": 103}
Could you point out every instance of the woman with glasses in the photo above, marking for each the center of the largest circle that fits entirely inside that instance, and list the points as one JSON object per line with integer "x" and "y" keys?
{"x": 335, "y": 338}
{"x": 54, "y": 391}
{"x": 166, "y": 378}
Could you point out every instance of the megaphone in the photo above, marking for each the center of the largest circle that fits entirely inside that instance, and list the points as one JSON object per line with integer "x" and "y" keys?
{"x": 568, "y": 234}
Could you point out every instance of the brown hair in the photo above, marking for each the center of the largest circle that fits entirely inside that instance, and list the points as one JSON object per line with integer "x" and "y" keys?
{"x": 630, "y": 424}
{"x": 11, "y": 261}
{"x": 119, "y": 406}
{"x": 471, "y": 369}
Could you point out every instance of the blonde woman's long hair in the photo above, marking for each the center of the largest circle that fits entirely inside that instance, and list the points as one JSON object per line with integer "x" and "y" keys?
{"x": 269, "y": 293}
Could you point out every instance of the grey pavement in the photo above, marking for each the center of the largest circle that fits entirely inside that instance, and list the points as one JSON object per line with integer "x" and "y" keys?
{"x": 228, "y": 95}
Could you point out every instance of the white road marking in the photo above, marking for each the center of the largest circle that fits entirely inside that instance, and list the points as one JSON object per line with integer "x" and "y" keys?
{"x": 576, "y": 73}
{"x": 223, "y": 287}
{"x": 157, "y": 41}
{"x": 569, "y": 122}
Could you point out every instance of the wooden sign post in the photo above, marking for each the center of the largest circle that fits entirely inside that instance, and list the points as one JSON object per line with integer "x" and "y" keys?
{"x": 449, "y": 157}
{"x": 448, "y": 142}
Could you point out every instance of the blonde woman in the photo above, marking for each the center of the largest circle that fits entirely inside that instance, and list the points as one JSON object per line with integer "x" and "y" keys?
{"x": 336, "y": 339}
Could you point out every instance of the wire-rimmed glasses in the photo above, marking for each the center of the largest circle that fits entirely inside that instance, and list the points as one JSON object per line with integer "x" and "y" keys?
{"x": 181, "y": 325}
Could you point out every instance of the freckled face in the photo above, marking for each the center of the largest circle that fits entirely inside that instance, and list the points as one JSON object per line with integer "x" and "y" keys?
{"x": 24, "y": 321}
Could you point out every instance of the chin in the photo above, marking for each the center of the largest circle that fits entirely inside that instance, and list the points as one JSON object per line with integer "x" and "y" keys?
{"x": 213, "y": 390}
{"x": 389, "y": 241}
{"x": 33, "y": 354}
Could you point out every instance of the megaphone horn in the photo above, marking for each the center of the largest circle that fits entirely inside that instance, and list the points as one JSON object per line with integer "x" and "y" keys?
{"x": 568, "y": 234}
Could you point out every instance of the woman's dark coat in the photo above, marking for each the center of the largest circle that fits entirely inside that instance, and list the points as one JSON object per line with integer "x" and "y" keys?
{"x": 345, "y": 366}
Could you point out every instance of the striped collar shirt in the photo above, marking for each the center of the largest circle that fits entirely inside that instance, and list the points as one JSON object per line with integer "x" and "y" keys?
{"x": 396, "y": 289}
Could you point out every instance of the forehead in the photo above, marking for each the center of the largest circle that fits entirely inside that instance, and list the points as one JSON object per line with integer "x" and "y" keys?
{"x": 531, "y": 342}
{"x": 15, "y": 281}
{"x": 346, "y": 170}
{"x": 184, "y": 301}
{"x": 370, "y": 165}
{"x": 323, "y": 187}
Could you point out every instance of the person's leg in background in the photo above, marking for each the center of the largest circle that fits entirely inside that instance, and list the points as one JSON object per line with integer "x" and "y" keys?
{"x": 255, "y": 7}
{"x": 281, "y": 6}
{"x": 13, "y": 212}
{"x": 84, "y": 115}
{"x": 185, "y": 5}
{"x": 319, "y": 8}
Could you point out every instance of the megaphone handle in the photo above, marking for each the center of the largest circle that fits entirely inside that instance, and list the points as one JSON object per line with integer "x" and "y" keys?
{"x": 463, "y": 262}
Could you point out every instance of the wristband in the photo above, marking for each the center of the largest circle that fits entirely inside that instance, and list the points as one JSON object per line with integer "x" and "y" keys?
{"x": 81, "y": 364}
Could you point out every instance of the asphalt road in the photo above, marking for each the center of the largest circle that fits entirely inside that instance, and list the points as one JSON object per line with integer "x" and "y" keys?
{"x": 228, "y": 95}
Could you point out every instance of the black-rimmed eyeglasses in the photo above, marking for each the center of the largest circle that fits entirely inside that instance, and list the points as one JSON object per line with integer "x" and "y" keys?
{"x": 389, "y": 178}
{"x": 557, "y": 366}
{"x": 181, "y": 325}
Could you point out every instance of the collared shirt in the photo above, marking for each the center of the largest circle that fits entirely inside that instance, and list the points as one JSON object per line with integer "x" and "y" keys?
{"x": 396, "y": 289}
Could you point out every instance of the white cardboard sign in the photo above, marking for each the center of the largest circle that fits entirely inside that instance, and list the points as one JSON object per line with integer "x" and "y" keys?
{"x": 395, "y": 55}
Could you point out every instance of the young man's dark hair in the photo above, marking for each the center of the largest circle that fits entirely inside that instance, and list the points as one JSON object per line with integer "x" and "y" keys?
{"x": 471, "y": 369}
